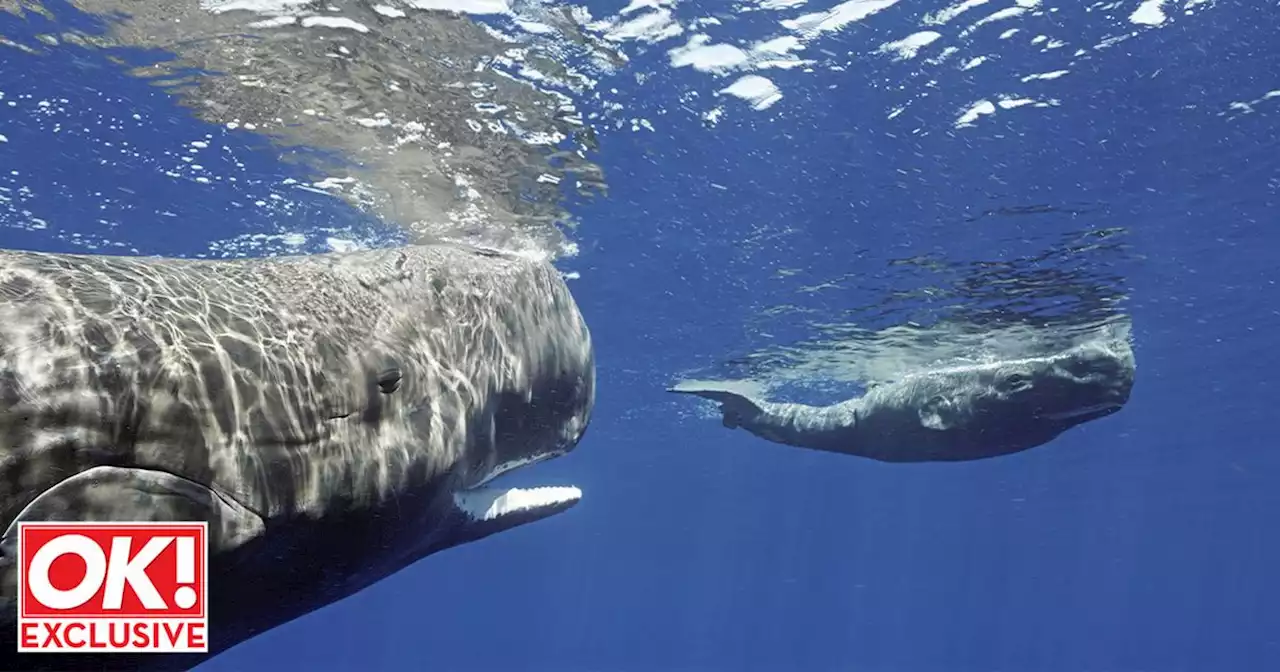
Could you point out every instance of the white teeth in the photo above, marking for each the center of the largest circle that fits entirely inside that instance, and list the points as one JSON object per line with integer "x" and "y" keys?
{"x": 492, "y": 503}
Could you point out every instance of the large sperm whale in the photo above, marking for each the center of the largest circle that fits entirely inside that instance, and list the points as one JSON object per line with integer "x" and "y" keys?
{"x": 951, "y": 414}
{"x": 334, "y": 418}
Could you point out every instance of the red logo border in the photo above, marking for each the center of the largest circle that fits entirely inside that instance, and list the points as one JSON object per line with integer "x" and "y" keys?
{"x": 203, "y": 580}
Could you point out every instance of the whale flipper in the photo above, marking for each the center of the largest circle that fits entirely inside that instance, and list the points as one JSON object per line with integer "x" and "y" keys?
{"x": 735, "y": 408}
{"x": 118, "y": 494}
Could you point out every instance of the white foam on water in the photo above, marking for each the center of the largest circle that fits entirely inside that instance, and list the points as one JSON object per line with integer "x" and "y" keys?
{"x": 759, "y": 91}
{"x": 334, "y": 22}
{"x": 259, "y": 6}
{"x": 950, "y": 39}
{"x": 653, "y": 26}
{"x": 837, "y": 17}
{"x": 389, "y": 12}
{"x": 978, "y": 109}
{"x": 910, "y": 45}
{"x": 1002, "y": 15}
{"x": 799, "y": 36}
{"x": 277, "y": 22}
{"x": 984, "y": 108}
{"x": 946, "y": 15}
{"x": 717, "y": 50}
{"x": 722, "y": 58}
{"x": 1010, "y": 103}
{"x": 707, "y": 57}
{"x": 779, "y": 4}
{"x": 1149, "y": 13}
{"x": 475, "y": 7}
{"x": 1045, "y": 75}
{"x": 1241, "y": 107}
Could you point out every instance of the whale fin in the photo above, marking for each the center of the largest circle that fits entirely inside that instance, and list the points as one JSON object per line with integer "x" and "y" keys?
{"x": 119, "y": 494}
{"x": 735, "y": 408}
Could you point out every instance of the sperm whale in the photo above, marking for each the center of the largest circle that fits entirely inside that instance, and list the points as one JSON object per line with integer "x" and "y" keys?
{"x": 334, "y": 418}
{"x": 950, "y": 414}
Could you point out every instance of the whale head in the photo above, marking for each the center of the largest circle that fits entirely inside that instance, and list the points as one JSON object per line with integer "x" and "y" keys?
{"x": 1084, "y": 383}
{"x": 1011, "y": 405}
{"x": 1026, "y": 401}
{"x": 335, "y": 418}
{"x": 545, "y": 420}
{"x": 501, "y": 380}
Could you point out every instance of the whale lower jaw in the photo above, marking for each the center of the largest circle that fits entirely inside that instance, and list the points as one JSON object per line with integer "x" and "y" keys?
{"x": 491, "y": 504}
{"x": 1096, "y": 410}
{"x": 482, "y": 503}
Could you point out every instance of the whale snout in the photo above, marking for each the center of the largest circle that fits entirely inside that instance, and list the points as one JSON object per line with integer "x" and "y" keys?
{"x": 1097, "y": 381}
{"x": 544, "y": 418}
{"x": 547, "y": 423}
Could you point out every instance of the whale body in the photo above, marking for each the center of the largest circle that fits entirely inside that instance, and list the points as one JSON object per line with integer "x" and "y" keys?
{"x": 334, "y": 418}
{"x": 951, "y": 414}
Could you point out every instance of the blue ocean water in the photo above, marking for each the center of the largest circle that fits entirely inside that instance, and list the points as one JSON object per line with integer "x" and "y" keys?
{"x": 1142, "y": 541}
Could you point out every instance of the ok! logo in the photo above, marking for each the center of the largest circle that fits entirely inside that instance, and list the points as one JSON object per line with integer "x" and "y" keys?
{"x": 113, "y": 587}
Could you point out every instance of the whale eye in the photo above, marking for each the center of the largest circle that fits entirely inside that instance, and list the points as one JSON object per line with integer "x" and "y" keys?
{"x": 389, "y": 380}
{"x": 1015, "y": 382}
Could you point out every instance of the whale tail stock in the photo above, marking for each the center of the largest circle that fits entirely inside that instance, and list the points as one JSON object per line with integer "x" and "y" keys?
{"x": 735, "y": 408}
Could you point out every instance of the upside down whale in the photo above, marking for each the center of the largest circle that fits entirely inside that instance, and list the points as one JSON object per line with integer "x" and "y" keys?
{"x": 952, "y": 414}
{"x": 334, "y": 418}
